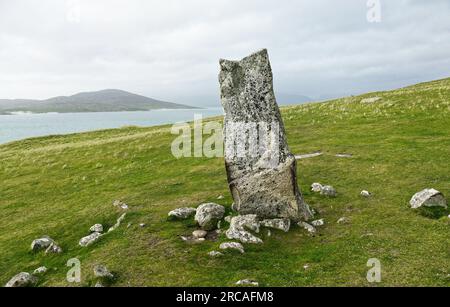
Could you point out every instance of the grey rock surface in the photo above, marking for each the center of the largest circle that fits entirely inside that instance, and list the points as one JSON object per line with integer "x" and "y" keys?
{"x": 328, "y": 190}
{"x": 96, "y": 228}
{"x": 208, "y": 215}
{"x": 318, "y": 223}
{"x": 88, "y": 240}
{"x": 53, "y": 249}
{"x": 102, "y": 272}
{"x": 280, "y": 224}
{"x": 261, "y": 175}
{"x": 182, "y": 213}
{"x": 232, "y": 245}
{"x": 428, "y": 198}
{"x": 239, "y": 227}
{"x": 41, "y": 243}
{"x": 21, "y": 280}
{"x": 310, "y": 228}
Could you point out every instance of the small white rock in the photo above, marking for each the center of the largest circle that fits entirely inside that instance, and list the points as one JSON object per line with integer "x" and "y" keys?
{"x": 199, "y": 234}
{"x": 215, "y": 254}
{"x": 316, "y": 187}
{"x": 40, "y": 270}
{"x": 247, "y": 282}
{"x": 365, "y": 193}
{"x": 308, "y": 227}
{"x": 343, "y": 220}
{"x": 318, "y": 223}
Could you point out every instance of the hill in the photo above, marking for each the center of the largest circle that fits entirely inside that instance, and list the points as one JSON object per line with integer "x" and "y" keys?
{"x": 111, "y": 100}
{"x": 399, "y": 140}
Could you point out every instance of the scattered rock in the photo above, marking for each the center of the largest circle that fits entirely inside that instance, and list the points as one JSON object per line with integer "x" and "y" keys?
{"x": 269, "y": 233}
{"x": 280, "y": 224}
{"x": 199, "y": 234}
{"x": 306, "y": 266}
{"x": 99, "y": 285}
{"x": 40, "y": 270}
{"x": 309, "y": 155}
{"x": 247, "y": 282}
{"x": 308, "y": 227}
{"x": 120, "y": 204}
{"x": 182, "y": 213}
{"x": 102, "y": 272}
{"x": 215, "y": 254}
{"x": 88, "y": 240}
{"x": 318, "y": 223}
{"x": 365, "y": 193}
{"x": 220, "y": 197}
{"x": 118, "y": 222}
{"x": 208, "y": 215}
{"x": 53, "y": 249}
{"x": 343, "y": 220}
{"x": 328, "y": 190}
{"x": 232, "y": 245}
{"x": 370, "y": 99}
{"x": 96, "y": 228}
{"x": 316, "y": 187}
{"x": 142, "y": 225}
{"x": 21, "y": 280}
{"x": 262, "y": 181}
{"x": 41, "y": 243}
{"x": 238, "y": 227}
{"x": 343, "y": 155}
{"x": 428, "y": 198}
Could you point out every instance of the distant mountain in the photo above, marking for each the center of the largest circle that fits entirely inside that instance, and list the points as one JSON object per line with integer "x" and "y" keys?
{"x": 289, "y": 99}
{"x": 110, "y": 100}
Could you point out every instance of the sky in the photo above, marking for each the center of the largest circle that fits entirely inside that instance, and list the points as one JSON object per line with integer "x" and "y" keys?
{"x": 170, "y": 49}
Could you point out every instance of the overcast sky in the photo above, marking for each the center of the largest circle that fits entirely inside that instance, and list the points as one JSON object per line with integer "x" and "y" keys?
{"x": 170, "y": 49}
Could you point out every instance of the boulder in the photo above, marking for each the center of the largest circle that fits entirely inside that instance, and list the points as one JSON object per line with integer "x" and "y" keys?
{"x": 280, "y": 224}
{"x": 261, "y": 171}
{"x": 232, "y": 245}
{"x": 428, "y": 198}
{"x": 208, "y": 215}
{"x": 238, "y": 228}
{"x": 96, "y": 228}
{"x": 22, "y": 280}
{"x": 328, "y": 190}
{"x": 42, "y": 243}
{"x": 182, "y": 213}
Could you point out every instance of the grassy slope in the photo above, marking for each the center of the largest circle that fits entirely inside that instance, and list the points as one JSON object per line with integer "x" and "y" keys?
{"x": 62, "y": 185}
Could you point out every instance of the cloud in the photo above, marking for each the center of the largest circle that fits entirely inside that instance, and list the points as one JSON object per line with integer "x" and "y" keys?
{"x": 170, "y": 49}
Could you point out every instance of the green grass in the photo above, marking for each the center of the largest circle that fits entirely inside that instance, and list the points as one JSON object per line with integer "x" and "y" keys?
{"x": 61, "y": 185}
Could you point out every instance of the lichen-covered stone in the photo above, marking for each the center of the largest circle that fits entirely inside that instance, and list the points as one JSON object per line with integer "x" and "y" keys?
{"x": 182, "y": 213}
{"x": 208, "y": 215}
{"x": 328, "y": 190}
{"x": 280, "y": 224}
{"x": 261, "y": 170}
{"x": 240, "y": 224}
{"x": 41, "y": 243}
{"x": 23, "y": 279}
{"x": 232, "y": 245}
{"x": 428, "y": 198}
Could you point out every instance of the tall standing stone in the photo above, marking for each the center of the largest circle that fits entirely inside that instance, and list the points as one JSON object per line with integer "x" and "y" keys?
{"x": 260, "y": 168}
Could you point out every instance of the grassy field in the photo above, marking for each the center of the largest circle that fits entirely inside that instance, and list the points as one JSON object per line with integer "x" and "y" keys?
{"x": 61, "y": 185}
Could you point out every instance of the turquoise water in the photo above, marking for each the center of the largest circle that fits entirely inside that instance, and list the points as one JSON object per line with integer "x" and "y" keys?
{"x": 21, "y": 126}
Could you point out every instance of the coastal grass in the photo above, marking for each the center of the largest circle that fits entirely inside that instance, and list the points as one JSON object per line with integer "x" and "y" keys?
{"x": 400, "y": 144}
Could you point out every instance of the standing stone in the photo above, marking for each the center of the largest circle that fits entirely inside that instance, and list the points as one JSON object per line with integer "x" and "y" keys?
{"x": 260, "y": 168}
